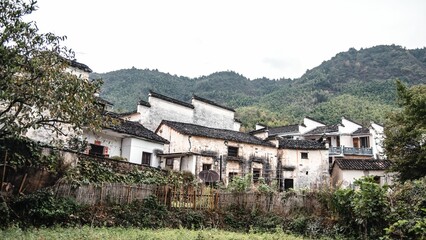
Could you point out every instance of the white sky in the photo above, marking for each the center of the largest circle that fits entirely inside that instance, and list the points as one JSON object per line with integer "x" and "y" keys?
{"x": 271, "y": 39}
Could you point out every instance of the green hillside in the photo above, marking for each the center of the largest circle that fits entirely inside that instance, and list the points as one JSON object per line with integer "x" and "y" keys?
{"x": 359, "y": 84}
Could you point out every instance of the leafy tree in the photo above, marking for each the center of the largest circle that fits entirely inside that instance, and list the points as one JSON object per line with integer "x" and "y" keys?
{"x": 406, "y": 133}
{"x": 37, "y": 89}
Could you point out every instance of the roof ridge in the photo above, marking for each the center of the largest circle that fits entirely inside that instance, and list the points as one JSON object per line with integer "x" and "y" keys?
{"x": 169, "y": 99}
{"x": 211, "y": 102}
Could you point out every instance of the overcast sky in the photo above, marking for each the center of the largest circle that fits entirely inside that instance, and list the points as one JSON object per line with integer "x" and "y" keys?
{"x": 274, "y": 39}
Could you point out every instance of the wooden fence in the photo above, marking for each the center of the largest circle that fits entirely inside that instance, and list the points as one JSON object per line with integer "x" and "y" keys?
{"x": 189, "y": 198}
{"x": 105, "y": 193}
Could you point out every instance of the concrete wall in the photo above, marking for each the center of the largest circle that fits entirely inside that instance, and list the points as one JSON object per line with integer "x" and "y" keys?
{"x": 307, "y": 173}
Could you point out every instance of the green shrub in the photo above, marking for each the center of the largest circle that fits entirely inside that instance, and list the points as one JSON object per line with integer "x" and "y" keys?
{"x": 42, "y": 208}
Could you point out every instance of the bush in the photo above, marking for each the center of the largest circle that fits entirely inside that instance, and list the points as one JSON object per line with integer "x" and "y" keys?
{"x": 42, "y": 208}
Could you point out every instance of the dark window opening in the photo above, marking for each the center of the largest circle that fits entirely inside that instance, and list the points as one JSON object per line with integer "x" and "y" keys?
{"x": 377, "y": 179}
{"x": 337, "y": 141}
{"x": 146, "y": 158}
{"x": 256, "y": 174}
{"x": 231, "y": 176}
{"x": 233, "y": 151}
{"x": 98, "y": 150}
{"x": 169, "y": 163}
{"x": 288, "y": 184}
{"x": 365, "y": 142}
{"x": 207, "y": 167}
{"x": 304, "y": 155}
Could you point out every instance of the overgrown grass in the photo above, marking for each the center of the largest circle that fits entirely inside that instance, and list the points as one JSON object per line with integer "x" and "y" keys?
{"x": 134, "y": 233}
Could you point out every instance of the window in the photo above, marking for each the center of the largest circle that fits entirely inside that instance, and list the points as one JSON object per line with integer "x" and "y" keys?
{"x": 365, "y": 142}
{"x": 377, "y": 179}
{"x": 169, "y": 161}
{"x": 98, "y": 150}
{"x": 356, "y": 142}
{"x": 304, "y": 155}
{"x": 231, "y": 176}
{"x": 288, "y": 184}
{"x": 233, "y": 151}
{"x": 207, "y": 167}
{"x": 146, "y": 158}
{"x": 256, "y": 174}
{"x": 337, "y": 141}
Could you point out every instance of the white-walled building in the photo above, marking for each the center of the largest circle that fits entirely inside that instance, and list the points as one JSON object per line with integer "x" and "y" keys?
{"x": 304, "y": 164}
{"x": 195, "y": 148}
{"x": 126, "y": 140}
{"x": 200, "y": 111}
{"x": 345, "y": 172}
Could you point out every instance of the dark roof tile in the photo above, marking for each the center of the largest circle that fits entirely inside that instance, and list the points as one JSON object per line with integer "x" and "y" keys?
{"x": 324, "y": 129}
{"x": 211, "y": 103}
{"x": 144, "y": 103}
{"x": 201, "y": 131}
{"x": 169, "y": 99}
{"x": 362, "y": 131}
{"x": 301, "y": 144}
{"x": 136, "y": 129}
{"x": 362, "y": 164}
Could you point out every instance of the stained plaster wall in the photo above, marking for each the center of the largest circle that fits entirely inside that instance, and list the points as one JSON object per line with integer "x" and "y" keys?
{"x": 165, "y": 110}
{"x": 309, "y": 172}
{"x": 212, "y": 116}
{"x": 180, "y": 143}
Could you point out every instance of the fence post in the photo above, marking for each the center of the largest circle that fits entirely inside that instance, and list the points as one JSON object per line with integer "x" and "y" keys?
{"x": 194, "y": 200}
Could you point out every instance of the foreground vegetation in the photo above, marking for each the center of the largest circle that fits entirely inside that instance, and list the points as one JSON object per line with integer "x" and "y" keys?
{"x": 370, "y": 212}
{"x": 134, "y": 233}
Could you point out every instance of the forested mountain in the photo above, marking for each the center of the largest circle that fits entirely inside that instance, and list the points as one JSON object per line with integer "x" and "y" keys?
{"x": 359, "y": 84}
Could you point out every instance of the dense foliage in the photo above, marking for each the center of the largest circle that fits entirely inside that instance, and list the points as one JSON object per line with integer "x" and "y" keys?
{"x": 368, "y": 212}
{"x": 37, "y": 90}
{"x": 405, "y": 141}
{"x": 359, "y": 84}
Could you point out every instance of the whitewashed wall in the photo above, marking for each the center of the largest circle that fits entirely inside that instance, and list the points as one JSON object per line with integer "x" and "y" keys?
{"x": 212, "y": 116}
{"x": 112, "y": 142}
{"x": 308, "y": 172}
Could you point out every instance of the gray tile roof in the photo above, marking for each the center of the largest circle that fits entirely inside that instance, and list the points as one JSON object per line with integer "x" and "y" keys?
{"x": 201, "y": 131}
{"x": 324, "y": 129}
{"x": 362, "y": 164}
{"x": 136, "y": 129}
{"x": 144, "y": 103}
{"x": 362, "y": 131}
{"x": 211, "y": 103}
{"x": 169, "y": 99}
{"x": 272, "y": 131}
{"x": 301, "y": 144}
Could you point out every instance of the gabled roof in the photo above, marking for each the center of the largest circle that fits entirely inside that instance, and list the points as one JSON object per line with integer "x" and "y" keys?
{"x": 284, "y": 129}
{"x": 324, "y": 129}
{"x": 103, "y": 101}
{"x": 362, "y": 131}
{"x": 169, "y": 99}
{"x": 315, "y": 120}
{"x": 201, "y": 131}
{"x": 362, "y": 164}
{"x": 301, "y": 144}
{"x": 136, "y": 129}
{"x": 81, "y": 66}
{"x": 143, "y": 103}
{"x": 211, "y": 103}
{"x": 126, "y": 113}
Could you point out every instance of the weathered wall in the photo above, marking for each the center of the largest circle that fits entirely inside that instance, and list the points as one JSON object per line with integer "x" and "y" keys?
{"x": 112, "y": 142}
{"x": 307, "y": 173}
{"x": 212, "y": 116}
{"x": 165, "y": 110}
